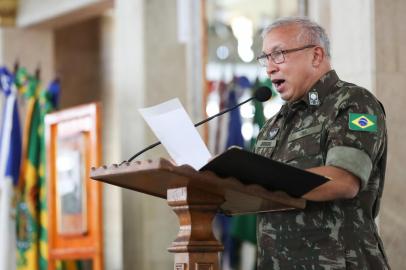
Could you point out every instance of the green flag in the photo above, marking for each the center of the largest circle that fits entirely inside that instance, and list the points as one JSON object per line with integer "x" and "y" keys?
{"x": 27, "y": 210}
{"x": 243, "y": 227}
{"x": 32, "y": 212}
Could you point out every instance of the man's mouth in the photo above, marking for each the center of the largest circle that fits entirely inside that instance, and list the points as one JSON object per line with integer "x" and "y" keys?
{"x": 278, "y": 83}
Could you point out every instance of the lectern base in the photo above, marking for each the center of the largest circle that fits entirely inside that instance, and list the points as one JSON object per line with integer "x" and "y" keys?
{"x": 195, "y": 247}
{"x": 196, "y": 261}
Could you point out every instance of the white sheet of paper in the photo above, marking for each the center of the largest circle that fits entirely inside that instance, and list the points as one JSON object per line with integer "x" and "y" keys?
{"x": 174, "y": 128}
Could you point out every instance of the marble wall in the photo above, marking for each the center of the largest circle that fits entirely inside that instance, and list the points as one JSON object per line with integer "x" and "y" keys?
{"x": 390, "y": 79}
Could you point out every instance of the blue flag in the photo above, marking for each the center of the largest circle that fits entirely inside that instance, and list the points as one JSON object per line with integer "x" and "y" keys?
{"x": 230, "y": 254}
{"x": 10, "y": 158}
{"x": 234, "y": 125}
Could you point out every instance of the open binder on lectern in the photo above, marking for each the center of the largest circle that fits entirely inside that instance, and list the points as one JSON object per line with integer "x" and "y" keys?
{"x": 250, "y": 168}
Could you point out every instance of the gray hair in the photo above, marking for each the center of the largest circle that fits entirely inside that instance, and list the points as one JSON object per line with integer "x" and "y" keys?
{"x": 311, "y": 32}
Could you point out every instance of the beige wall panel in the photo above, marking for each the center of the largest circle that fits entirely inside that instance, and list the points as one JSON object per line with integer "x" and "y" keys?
{"x": 391, "y": 82}
{"x": 393, "y": 216}
{"x": 32, "y": 49}
{"x": 351, "y": 34}
{"x": 319, "y": 11}
{"x": 165, "y": 57}
{"x": 78, "y": 62}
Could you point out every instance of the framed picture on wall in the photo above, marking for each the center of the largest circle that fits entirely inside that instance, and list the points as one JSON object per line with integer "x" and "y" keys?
{"x": 75, "y": 221}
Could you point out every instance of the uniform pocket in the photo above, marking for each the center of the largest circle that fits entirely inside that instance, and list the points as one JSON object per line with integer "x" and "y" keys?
{"x": 305, "y": 132}
{"x": 304, "y": 144}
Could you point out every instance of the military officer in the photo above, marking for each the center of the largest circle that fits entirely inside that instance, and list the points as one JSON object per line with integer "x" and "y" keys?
{"x": 332, "y": 128}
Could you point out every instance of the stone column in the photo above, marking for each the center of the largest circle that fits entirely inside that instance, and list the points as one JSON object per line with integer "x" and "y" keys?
{"x": 149, "y": 68}
{"x": 126, "y": 126}
{"x": 390, "y": 70}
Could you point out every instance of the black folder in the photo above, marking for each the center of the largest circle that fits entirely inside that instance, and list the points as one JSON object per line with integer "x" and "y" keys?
{"x": 250, "y": 168}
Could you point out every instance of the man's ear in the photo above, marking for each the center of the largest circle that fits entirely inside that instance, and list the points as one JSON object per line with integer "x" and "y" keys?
{"x": 318, "y": 56}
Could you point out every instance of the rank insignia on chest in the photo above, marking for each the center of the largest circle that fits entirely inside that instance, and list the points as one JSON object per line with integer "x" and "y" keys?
{"x": 272, "y": 133}
{"x": 362, "y": 122}
{"x": 314, "y": 98}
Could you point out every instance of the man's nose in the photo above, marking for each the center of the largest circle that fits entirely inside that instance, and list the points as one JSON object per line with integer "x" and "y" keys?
{"x": 271, "y": 68}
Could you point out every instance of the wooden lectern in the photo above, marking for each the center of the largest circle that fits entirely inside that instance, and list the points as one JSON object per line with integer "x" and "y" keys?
{"x": 195, "y": 197}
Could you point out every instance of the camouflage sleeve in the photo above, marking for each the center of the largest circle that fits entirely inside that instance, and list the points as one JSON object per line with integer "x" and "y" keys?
{"x": 356, "y": 135}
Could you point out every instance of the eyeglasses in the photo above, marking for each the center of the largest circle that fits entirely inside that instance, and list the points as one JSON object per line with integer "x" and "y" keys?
{"x": 278, "y": 57}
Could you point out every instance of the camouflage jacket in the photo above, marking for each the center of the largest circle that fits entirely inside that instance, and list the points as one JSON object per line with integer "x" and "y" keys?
{"x": 337, "y": 124}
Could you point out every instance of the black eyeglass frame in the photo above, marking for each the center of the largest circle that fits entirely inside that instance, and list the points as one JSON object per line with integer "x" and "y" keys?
{"x": 276, "y": 54}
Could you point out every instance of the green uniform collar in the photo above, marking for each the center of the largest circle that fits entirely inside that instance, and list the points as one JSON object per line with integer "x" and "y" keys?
{"x": 317, "y": 93}
{"x": 315, "y": 96}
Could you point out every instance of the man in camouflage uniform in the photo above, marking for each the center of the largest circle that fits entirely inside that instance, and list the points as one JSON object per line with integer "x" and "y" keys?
{"x": 332, "y": 128}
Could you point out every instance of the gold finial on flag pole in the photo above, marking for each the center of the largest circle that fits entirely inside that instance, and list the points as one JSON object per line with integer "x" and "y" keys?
{"x": 8, "y": 12}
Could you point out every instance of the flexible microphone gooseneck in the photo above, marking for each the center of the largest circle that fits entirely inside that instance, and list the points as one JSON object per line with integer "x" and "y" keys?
{"x": 262, "y": 94}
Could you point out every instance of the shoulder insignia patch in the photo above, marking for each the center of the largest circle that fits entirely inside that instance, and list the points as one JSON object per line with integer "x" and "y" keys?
{"x": 362, "y": 122}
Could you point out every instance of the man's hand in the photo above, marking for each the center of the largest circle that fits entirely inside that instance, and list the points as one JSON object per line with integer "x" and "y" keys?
{"x": 343, "y": 185}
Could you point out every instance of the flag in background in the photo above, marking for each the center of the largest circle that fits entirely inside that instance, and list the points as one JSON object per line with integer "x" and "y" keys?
{"x": 10, "y": 157}
{"x": 238, "y": 233}
{"x": 234, "y": 137}
{"x": 48, "y": 102}
{"x": 217, "y": 126}
{"x": 32, "y": 214}
{"x": 32, "y": 210}
{"x": 243, "y": 228}
{"x": 234, "y": 125}
{"x": 259, "y": 117}
{"x": 27, "y": 209}
{"x": 231, "y": 257}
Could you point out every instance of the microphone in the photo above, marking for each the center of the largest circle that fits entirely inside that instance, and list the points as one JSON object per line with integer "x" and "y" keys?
{"x": 262, "y": 94}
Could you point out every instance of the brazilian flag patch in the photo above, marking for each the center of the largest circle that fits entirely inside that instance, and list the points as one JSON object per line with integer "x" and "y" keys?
{"x": 362, "y": 122}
